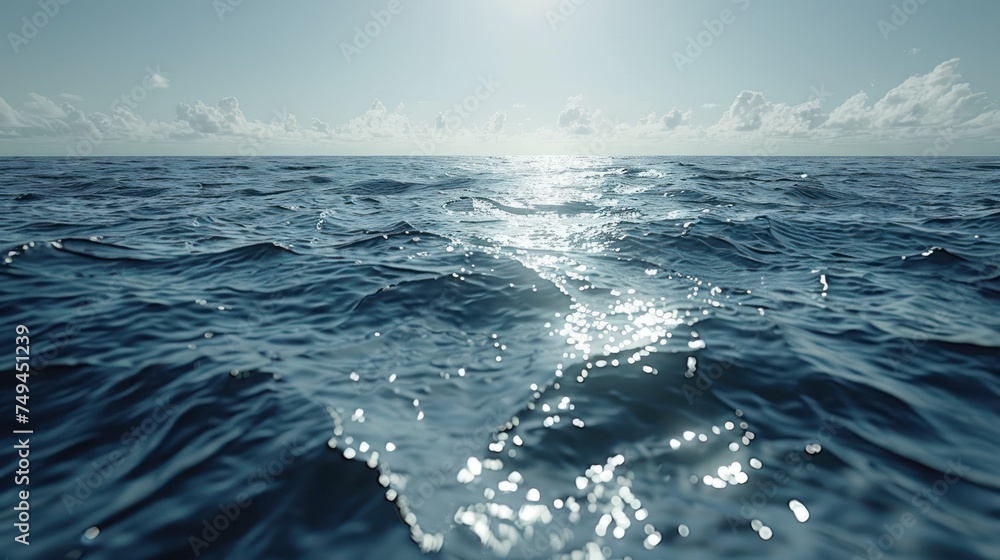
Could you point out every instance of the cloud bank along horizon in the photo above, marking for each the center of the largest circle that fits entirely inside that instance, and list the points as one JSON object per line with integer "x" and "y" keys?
{"x": 559, "y": 77}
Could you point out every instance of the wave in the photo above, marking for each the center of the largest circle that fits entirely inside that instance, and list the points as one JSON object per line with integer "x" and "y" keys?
{"x": 382, "y": 187}
{"x": 507, "y": 357}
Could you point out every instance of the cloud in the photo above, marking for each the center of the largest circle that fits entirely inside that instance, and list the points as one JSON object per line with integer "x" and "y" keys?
{"x": 158, "y": 81}
{"x": 936, "y": 99}
{"x": 70, "y": 97}
{"x": 42, "y": 118}
{"x": 78, "y": 123}
{"x": 224, "y": 124}
{"x": 320, "y": 126}
{"x": 746, "y": 113}
{"x": 710, "y": 106}
{"x": 751, "y": 112}
{"x": 44, "y": 107}
{"x": 8, "y": 116}
{"x": 378, "y": 124}
{"x": 575, "y": 119}
{"x": 225, "y": 118}
{"x": 911, "y": 51}
{"x": 649, "y": 120}
{"x": 518, "y": 106}
{"x": 122, "y": 124}
{"x": 675, "y": 118}
{"x": 671, "y": 120}
{"x": 67, "y": 126}
{"x": 852, "y": 115}
{"x": 496, "y": 123}
{"x": 921, "y": 108}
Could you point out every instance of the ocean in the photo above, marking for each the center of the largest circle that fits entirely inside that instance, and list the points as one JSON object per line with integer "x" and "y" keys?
{"x": 503, "y": 357}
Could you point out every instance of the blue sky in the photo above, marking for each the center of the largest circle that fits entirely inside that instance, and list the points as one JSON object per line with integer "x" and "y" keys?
{"x": 517, "y": 76}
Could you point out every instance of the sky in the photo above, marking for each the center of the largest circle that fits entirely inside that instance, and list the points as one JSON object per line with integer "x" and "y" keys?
{"x": 441, "y": 77}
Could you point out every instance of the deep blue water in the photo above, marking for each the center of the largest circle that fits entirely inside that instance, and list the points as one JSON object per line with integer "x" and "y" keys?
{"x": 505, "y": 357}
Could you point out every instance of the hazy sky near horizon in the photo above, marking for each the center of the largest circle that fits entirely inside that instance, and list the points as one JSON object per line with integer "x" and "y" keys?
{"x": 741, "y": 77}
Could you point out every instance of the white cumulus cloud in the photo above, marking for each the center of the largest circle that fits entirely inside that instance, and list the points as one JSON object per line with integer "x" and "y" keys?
{"x": 574, "y": 118}
{"x": 225, "y": 118}
{"x": 675, "y": 118}
{"x": 751, "y": 112}
{"x": 378, "y": 123}
{"x": 937, "y": 99}
{"x": 44, "y": 107}
{"x": 923, "y": 107}
{"x": 669, "y": 121}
